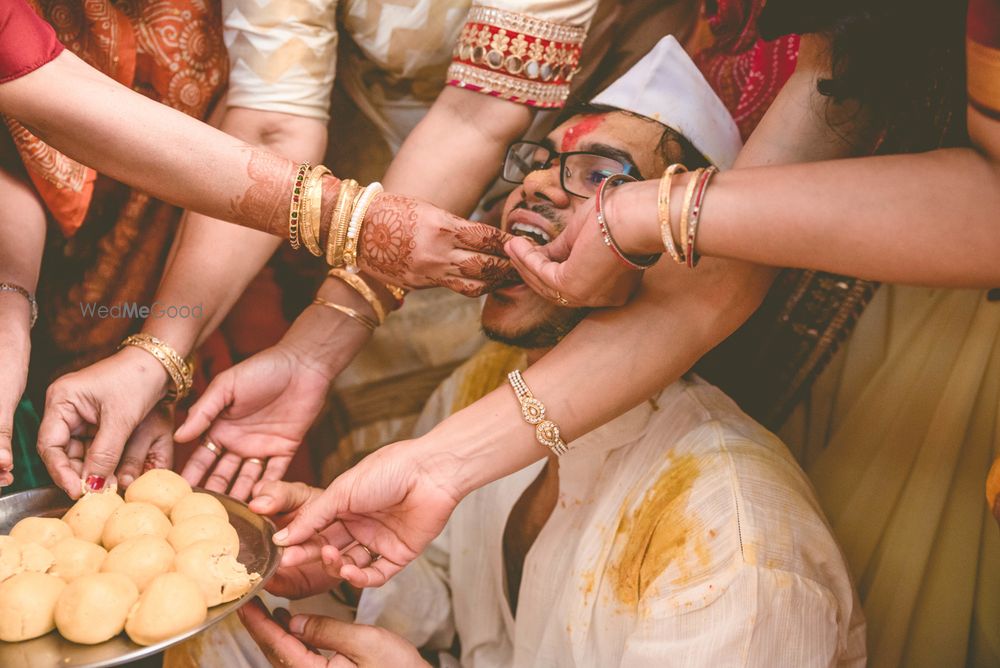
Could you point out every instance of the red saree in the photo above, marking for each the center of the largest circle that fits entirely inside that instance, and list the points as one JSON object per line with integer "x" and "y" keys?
{"x": 26, "y": 42}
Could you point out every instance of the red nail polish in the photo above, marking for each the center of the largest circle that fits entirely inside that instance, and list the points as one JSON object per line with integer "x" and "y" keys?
{"x": 95, "y": 483}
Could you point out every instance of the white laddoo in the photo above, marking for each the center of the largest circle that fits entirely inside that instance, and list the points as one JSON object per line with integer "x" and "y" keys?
{"x": 74, "y": 557}
{"x": 93, "y": 608}
{"x": 204, "y": 527}
{"x": 88, "y": 515}
{"x": 172, "y": 604}
{"x": 197, "y": 503}
{"x": 27, "y": 605}
{"x": 160, "y": 487}
{"x": 46, "y": 531}
{"x": 133, "y": 520}
{"x": 215, "y": 569}
{"x": 141, "y": 559}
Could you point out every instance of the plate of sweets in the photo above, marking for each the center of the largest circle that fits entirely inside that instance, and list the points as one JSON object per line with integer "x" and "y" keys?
{"x": 112, "y": 578}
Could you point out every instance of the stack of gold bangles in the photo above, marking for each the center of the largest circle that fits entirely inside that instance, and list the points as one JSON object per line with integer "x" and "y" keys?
{"x": 533, "y": 412}
{"x": 181, "y": 371}
{"x": 694, "y": 199}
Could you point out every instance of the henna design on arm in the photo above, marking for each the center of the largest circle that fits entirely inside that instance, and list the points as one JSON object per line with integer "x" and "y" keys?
{"x": 388, "y": 237}
{"x": 482, "y": 238}
{"x": 264, "y": 205}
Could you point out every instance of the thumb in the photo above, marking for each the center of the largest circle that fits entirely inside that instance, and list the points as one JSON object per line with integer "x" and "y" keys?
{"x": 54, "y": 434}
{"x": 354, "y": 641}
{"x": 6, "y": 440}
{"x": 271, "y": 497}
{"x": 104, "y": 453}
{"x": 203, "y": 412}
{"x": 316, "y": 515}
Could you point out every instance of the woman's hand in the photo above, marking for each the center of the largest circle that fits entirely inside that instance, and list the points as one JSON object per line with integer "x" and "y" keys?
{"x": 413, "y": 244}
{"x": 391, "y": 505}
{"x": 113, "y": 400}
{"x": 289, "y": 641}
{"x": 577, "y": 268}
{"x": 15, "y": 349}
{"x": 258, "y": 412}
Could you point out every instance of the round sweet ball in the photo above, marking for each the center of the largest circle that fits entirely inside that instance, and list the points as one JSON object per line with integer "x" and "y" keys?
{"x": 197, "y": 503}
{"x": 93, "y": 608}
{"x": 88, "y": 515}
{"x": 46, "y": 531}
{"x": 160, "y": 487}
{"x": 75, "y": 557}
{"x": 215, "y": 569}
{"x": 36, "y": 558}
{"x": 204, "y": 527}
{"x": 10, "y": 557}
{"x": 27, "y": 605}
{"x": 141, "y": 559}
{"x": 172, "y": 604}
{"x": 133, "y": 520}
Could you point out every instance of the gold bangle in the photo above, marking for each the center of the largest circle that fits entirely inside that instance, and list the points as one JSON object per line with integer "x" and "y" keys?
{"x": 353, "y": 245}
{"x": 695, "y": 216}
{"x": 312, "y": 200}
{"x": 181, "y": 372}
{"x": 686, "y": 207}
{"x": 296, "y": 206}
{"x": 338, "y": 222}
{"x": 533, "y": 412}
{"x": 397, "y": 292}
{"x": 666, "y": 230}
{"x": 349, "y": 312}
{"x": 362, "y": 288}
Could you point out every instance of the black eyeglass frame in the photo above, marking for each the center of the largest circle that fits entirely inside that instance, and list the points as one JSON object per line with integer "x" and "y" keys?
{"x": 627, "y": 169}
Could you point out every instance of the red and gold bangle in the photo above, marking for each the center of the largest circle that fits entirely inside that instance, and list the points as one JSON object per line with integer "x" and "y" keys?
{"x": 695, "y": 215}
{"x": 686, "y": 206}
{"x": 637, "y": 264}
{"x": 296, "y": 206}
{"x": 663, "y": 199}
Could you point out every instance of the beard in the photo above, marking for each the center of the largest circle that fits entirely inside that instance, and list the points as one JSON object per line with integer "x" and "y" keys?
{"x": 544, "y": 334}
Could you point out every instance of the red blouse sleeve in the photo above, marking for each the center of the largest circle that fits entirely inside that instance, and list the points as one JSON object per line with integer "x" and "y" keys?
{"x": 26, "y": 41}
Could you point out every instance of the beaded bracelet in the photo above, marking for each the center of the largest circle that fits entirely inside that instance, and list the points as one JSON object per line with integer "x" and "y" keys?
{"x": 181, "y": 372}
{"x": 296, "y": 205}
{"x": 357, "y": 222}
{"x": 362, "y": 288}
{"x": 666, "y": 230}
{"x": 14, "y": 287}
{"x": 638, "y": 264}
{"x": 533, "y": 412}
{"x": 349, "y": 312}
{"x": 695, "y": 215}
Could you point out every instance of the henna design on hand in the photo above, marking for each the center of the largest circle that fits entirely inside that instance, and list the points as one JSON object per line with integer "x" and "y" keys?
{"x": 462, "y": 287}
{"x": 264, "y": 205}
{"x": 492, "y": 271}
{"x": 482, "y": 239}
{"x": 387, "y": 240}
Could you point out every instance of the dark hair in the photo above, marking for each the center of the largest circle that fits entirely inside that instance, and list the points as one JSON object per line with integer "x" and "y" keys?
{"x": 904, "y": 62}
{"x": 672, "y": 147}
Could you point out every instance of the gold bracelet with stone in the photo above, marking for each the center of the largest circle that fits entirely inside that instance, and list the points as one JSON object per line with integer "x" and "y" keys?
{"x": 312, "y": 203}
{"x": 533, "y": 412}
{"x": 371, "y": 191}
{"x": 349, "y": 188}
{"x": 349, "y": 312}
{"x": 296, "y": 206}
{"x": 181, "y": 372}
{"x": 362, "y": 288}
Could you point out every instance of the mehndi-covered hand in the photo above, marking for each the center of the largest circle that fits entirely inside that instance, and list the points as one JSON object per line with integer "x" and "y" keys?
{"x": 288, "y": 641}
{"x": 413, "y": 244}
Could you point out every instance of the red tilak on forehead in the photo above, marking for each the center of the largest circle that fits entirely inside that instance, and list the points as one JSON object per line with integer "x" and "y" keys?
{"x": 577, "y": 132}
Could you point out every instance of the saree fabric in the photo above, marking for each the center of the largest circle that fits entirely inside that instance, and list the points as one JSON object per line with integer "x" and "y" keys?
{"x": 26, "y": 42}
{"x": 29, "y": 472}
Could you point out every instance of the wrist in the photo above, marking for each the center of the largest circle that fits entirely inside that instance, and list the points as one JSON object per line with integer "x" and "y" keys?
{"x": 152, "y": 373}
{"x": 632, "y": 217}
{"x": 324, "y": 340}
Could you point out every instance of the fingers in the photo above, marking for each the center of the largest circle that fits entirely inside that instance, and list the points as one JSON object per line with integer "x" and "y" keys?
{"x": 204, "y": 411}
{"x": 355, "y": 641}
{"x": 6, "y": 448}
{"x": 198, "y": 464}
{"x": 481, "y": 238}
{"x": 375, "y": 574}
{"x": 311, "y": 549}
{"x": 105, "y": 452}
{"x": 250, "y": 472}
{"x": 53, "y": 441}
{"x": 223, "y": 473}
{"x": 280, "y": 647}
{"x": 493, "y": 271}
{"x": 274, "y": 497}
{"x": 316, "y": 516}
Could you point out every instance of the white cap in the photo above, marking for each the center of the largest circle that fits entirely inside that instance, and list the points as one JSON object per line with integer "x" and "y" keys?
{"x": 666, "y": 86}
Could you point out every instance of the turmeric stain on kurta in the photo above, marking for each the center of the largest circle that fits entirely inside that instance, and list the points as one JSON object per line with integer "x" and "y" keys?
{"x": 657, "y": 533}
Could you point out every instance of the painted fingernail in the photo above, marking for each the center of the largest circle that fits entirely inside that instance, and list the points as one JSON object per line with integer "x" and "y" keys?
{"x": 281, "y": 536}
{"x": 297, "y": 625}
{"x": 95, "y": 483}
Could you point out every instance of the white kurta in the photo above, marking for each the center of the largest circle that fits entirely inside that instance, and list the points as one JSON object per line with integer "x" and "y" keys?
{"x": 683, "y": 536}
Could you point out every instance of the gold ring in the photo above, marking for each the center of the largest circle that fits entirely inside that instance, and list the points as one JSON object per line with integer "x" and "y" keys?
{"x": 562, "y": 300}
{"x": 374, "y": 556}
{"x": 212, "y": 447}
{"x": 254, "y": 460}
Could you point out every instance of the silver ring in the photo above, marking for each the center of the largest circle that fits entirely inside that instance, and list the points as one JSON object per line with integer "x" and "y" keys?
{"x": 374, "y": 556}
{"x": 254, "y": 460}
{"x": 212, "y": 447}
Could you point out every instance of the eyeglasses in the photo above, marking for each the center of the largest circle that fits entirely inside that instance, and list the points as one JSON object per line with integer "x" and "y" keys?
{"x": 580, "y": 173}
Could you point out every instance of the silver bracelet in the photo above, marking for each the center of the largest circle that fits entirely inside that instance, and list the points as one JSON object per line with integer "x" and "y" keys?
{"x": 13, "y": 287}
{"x": 533, "y": 412}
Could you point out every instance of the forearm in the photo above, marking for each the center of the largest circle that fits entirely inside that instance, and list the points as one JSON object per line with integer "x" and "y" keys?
{"x": 454, "y": 153}
{"x": 212, "y": 262}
